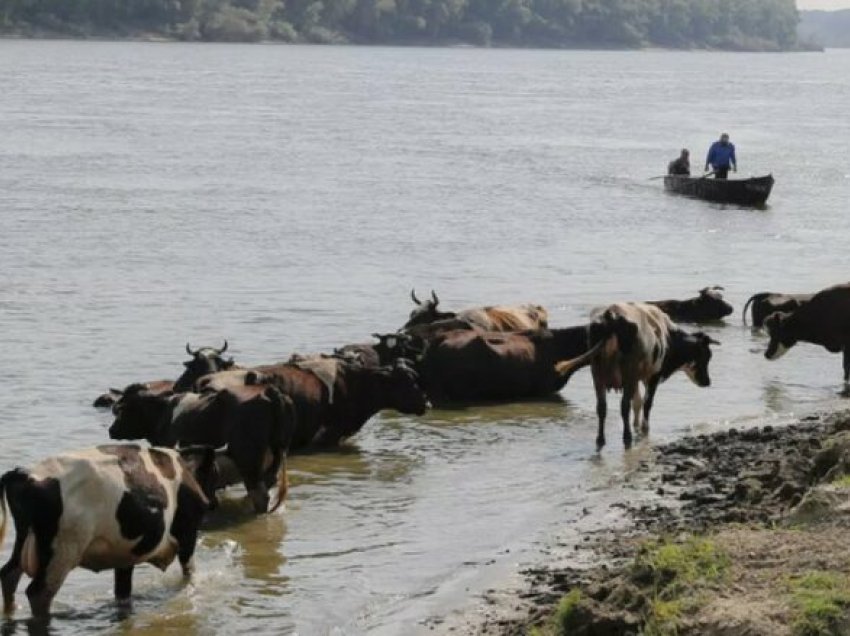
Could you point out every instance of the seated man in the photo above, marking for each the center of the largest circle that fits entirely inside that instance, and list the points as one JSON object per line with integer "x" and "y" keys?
{"x": 682, "y": 165}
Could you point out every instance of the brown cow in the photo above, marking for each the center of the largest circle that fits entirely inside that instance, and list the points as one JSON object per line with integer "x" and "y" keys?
{"x": 824, "y": 320}
{"x": 336, "y": 406}
{"x": 491, "y": 318}
{"x": 468, "y": 365}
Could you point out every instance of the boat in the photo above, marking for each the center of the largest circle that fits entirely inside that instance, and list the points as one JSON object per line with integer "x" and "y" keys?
{"x": 750, "y": 192}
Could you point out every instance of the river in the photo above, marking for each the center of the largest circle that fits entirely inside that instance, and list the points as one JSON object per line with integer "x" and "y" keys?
{"x": 287, "y": 198}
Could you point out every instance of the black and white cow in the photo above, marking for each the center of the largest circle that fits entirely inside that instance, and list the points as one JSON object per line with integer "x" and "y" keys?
{"x": 104, "y": 508}
{"x": 633, "y": 343}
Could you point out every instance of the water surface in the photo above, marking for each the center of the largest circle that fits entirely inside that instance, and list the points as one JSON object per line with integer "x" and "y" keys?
{"x": 287, "y": 199}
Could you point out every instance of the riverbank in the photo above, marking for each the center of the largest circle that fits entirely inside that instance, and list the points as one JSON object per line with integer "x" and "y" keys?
{"x": 746, "y": 534}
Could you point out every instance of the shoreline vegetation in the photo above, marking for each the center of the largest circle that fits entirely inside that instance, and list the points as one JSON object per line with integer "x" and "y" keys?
{"x": 746, "y": 534}
{"x": 733, "y": 25}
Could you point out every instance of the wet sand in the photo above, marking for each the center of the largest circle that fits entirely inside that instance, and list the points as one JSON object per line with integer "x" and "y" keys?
{"x": 771, "y": 499}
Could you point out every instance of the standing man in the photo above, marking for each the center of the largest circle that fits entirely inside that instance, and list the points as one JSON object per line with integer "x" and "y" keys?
{"x": 721, "y": 156}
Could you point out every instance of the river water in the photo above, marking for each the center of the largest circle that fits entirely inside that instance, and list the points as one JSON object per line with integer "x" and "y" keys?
{"x": 287, "y": 199}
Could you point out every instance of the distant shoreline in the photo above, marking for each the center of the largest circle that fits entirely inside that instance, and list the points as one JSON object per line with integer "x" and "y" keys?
{"x": 160, "y": 38}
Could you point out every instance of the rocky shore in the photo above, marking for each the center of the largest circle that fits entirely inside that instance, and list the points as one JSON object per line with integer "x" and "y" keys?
{"x": 747, "y": 533}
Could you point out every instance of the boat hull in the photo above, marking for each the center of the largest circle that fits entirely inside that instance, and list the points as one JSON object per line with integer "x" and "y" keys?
{"x": 749, "y": 192}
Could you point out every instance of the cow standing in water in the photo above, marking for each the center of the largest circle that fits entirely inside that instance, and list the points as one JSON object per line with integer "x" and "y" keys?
{"x": 109, "y": 507}
{"x": 204, "y": 361}
{"x": 254, "y": 425}
{"x": 766, "y": 303}
{"x": 633, "y": 343}
{"x": 496, "y": 318}
{"x": 824, "y": 320}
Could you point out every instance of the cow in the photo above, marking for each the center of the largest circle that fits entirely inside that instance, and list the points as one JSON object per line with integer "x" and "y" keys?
{"x": 389, "y": 348}
{"x": 707, "y": 306}
{"x": 109, "y": 507}
{"x": 498, "y": 318}
{"x": 335, "y": 404}
{"x": 824, "y": 320}
{"x": 468, "y": 365}
{"x": 632, "y": 343}
{"x": 254, "y": 424}
{"x": 766, "y": 303}
{"x": 205, "y": 360}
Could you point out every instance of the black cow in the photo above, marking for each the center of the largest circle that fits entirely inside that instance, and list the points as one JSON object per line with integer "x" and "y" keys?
{"x": 708, "y": 306}
{"x": 766, "y": 303}
{"x": 254, "y": 423}
{"x": 204, "y": 361}
{"x": 824, "y": 320}
{"x": 109, "y": 507}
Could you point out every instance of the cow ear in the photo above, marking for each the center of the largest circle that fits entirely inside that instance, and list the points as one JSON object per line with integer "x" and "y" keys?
{"x": 187, "y": 364}
{"x": 705, "y": 338}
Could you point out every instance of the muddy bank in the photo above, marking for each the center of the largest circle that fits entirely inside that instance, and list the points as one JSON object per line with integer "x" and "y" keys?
{"x": 745, "y": 534}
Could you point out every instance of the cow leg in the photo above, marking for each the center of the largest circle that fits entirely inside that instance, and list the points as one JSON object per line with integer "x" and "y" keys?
{"x": 53, "y": 568}
{"x": 651, "y": 387}
{"x": 601, "y": 411}
{"x": 629, "y": 390}
{"x": 637, "y": 404}
{"x": 10, "y": 576}
{"x": 123, "y": 583}
{"x": 846, "y": 364}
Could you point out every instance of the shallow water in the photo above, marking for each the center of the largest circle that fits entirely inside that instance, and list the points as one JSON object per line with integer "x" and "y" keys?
{"x": 288, "y": 198}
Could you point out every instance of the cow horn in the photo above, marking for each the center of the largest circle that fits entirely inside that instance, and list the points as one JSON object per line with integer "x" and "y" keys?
{"x": 189, "y": 350}
{"x": 116, "y": 391}
{"x": 413, "y": 296}
{"x": 223, "y": 349}
{"x": 434, "y": 298}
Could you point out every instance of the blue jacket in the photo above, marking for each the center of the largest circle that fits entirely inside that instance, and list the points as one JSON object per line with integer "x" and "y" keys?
{"x": 720, "y": 156}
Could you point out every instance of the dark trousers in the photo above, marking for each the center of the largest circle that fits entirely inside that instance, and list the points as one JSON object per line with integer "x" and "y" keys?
{"x": 721, "y": 173}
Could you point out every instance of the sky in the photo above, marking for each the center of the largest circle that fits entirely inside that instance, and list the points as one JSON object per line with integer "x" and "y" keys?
{"x": 823, "y": 4}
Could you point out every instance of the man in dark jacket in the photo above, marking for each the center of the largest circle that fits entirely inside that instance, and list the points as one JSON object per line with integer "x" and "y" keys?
{"x": 721, "y": 156}
{"x": 682, "y": 165}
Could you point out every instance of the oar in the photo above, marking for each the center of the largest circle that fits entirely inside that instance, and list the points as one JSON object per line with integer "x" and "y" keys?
{"x": 659, "y": 177}
{"x": 708, "y": 174}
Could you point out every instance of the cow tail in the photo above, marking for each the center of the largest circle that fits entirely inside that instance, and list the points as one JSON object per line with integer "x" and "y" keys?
{"x": 567, "y": 367}
{"x": 752, "y": 299}
{"x": 280, "y": 438}
{"x": 3, "y": 510}
{"x": 8, "y": 478}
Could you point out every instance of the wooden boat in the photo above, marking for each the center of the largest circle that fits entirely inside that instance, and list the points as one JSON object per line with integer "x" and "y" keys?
{"x": 750, "y": 192}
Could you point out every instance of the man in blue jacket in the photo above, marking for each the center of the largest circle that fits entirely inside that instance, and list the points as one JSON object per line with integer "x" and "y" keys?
{"x": 721, "y": 156}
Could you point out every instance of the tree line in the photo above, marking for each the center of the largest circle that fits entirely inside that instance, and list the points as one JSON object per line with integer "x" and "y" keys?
{"x": 722, "y": 24}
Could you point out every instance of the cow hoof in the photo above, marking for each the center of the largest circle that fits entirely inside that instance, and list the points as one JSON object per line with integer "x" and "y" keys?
{"x": 627, "y": 441}
{"x": 600, "y": 442}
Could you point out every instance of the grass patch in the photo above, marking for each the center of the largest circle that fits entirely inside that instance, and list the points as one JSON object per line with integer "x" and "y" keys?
{"x": 557, "y": 624}
{"x": 842, "y": 482}
{"x": 677, "y": 573}
{"x": 820, "y": 601}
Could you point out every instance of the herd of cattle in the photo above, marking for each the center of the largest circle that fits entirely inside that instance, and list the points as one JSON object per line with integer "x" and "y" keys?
{"x": 218, "y": 424}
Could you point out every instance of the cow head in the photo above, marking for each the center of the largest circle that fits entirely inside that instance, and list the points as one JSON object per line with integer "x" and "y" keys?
{"x": 780, "y": 339}
{"x": 427, "y": 312}
{"x": 711, "y": 304}
{"x": 201, "y": 462}
{"x": 204, "y": 361}
{"x": 403, "y": 389}
{"x": 697, "y": 356}
{"x": 392, "y": 346}
{"x": 140, "y": 414}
